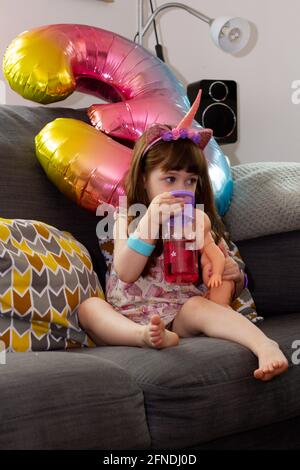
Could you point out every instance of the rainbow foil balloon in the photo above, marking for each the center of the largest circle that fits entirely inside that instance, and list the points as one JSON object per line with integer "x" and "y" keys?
{"x": 88, "y": 163}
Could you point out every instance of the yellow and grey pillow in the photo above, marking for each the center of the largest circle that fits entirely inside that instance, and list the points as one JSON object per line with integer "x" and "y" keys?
{"x": 45, "y": 274}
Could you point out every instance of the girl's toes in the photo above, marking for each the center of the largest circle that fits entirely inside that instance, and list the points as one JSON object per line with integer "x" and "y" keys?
{"x": 155, "y": 331}
{"x": 155, "y": 334}
{"x": 157, "y": 342}
{"x": 267, "y": 377}
{"x": 277, "y": 364}
{"x": 258, "y": 374}
{"x": 155, "y": 339}
{"x": 154, "y": 327}
{"x": 155, "y": 319}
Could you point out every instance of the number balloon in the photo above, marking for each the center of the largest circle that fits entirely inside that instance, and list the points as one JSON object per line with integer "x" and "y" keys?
{"x": 49, "y": 63}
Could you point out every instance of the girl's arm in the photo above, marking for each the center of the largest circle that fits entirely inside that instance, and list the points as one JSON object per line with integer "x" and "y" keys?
{"x": 128, "y": 263}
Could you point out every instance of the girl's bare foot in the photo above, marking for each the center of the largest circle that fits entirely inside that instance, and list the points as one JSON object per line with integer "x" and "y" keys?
{"x": 156, "y": 335}
{"x": 271, "y": 360}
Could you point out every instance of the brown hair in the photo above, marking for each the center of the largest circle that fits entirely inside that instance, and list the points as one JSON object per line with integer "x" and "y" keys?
{"x": 181, "y": 154}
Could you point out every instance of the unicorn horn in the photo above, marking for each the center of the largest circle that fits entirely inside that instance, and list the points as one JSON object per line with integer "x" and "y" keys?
{"x": 186, "y": 122}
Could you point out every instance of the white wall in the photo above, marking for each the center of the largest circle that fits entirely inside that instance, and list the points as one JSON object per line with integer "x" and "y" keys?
{"x": 268, "y": 120}
{"x": 269, "y": 123}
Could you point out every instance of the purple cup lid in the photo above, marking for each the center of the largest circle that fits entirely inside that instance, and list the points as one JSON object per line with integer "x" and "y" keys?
{"x": 188, "y": 195}
{"x": 188, "y": 210}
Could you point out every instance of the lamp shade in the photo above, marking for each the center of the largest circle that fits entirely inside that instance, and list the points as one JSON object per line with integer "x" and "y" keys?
{"x": 230, "y": 34}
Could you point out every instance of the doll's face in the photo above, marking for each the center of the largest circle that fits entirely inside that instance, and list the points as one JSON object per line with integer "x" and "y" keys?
{"x": 159, "y": 181}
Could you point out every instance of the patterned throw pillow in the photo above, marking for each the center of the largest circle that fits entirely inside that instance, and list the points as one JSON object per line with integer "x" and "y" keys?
{"x": 243, "y": 304}
{"x": 45, "y": 274}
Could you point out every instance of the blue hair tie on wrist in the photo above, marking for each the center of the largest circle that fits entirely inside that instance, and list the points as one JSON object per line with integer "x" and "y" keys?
{"x": 139, "y": 245}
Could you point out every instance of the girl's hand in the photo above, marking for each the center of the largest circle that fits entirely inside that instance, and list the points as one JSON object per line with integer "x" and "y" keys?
{"x": 163, "y": 205}
{"x": 231, "y": 269}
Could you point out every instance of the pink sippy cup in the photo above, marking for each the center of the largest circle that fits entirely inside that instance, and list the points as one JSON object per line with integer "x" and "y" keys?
{"x": 180, "y": 253}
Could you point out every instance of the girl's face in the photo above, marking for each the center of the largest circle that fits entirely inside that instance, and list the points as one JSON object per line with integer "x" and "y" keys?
{"x": 159, "y": 181}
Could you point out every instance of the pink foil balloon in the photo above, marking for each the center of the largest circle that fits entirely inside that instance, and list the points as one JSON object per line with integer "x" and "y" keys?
{"x": 47, "y": 64}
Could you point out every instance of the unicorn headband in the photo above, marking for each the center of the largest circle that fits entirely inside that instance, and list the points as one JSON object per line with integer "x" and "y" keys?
{"x": 183, "y": 130}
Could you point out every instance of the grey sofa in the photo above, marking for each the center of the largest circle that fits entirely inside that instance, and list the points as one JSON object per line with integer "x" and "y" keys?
{"x": 198, "y": 395}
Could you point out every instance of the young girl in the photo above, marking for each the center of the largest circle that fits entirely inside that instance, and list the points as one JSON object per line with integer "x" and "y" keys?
{"x": 142, "y": 309}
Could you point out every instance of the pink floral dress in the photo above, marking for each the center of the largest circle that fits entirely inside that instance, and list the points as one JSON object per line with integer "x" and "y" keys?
{"x": 151, "y": 294}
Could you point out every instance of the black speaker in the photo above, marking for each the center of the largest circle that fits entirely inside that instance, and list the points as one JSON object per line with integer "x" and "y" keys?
{"x": 218, "y": 107}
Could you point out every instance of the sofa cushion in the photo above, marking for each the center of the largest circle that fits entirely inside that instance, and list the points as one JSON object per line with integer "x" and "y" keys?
{"x": 45, "y": 275}
{"x": 266, "y": 199}
{"x": 25, "y": 190}
{"x": 59, "y": 400}
{"x": 204, "y": 388}
{"x": 273, "y": 267}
